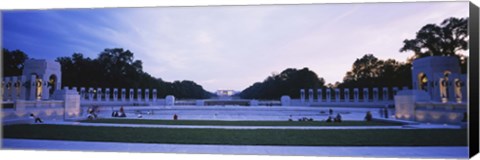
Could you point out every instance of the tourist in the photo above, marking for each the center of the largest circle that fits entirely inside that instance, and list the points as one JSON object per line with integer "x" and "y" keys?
{"x": 175, "y": 117}
{"x": 368, "y": 116}
{"x": 330, "y": 111}
{"x": 37, "y": 119}
{"x": 386, "y": 112}
{"x": 329, "y": 119}
{"x": 338, "y": 118}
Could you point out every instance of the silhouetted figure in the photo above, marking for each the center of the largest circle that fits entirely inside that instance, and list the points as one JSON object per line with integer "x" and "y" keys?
{"x": 175, "y": 117}
{"x": 385, "y": 112}
{"x": 330, "y": 111}
{"x": 368, "y": 117}
{"x": 338, "y": 118}
{"x": 329, "y": 119}
{"x": 37, "y": 119}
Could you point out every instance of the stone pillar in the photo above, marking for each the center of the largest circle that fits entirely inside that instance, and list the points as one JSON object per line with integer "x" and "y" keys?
{"x": 139, "y": 94}
{"x": 154, "y": 95}
{"x": 107, "y": 94}
{"x": 385, "y": 94}
{"x": 319, "y": 95}
{"x": 302, "y": 95}
{"x": 13, "y": 88}
{"x": 337, "y": 95}
{"x": 90, "y": 94}
{"x": 131, "y": 94}
{"x": 346, "y": 94}
{"x": 45, "y": 94}
{"x": 147, "y": 95}
{"x": 3, "y": 89}
{"x": 285, "y": 100}
{"x": 33, "y": 88}
{"x": 329, "y": 98}
{"x": 99, "y": 94}
{"x": 355, "y": 95}
{"x": 375, "y": 94}
{"x": 365, "y": 95}
{"x": 310, "y": 95}
{"x": 23, "y": 87}
{"x": 123, "y": 94}
{"x": 170, "y": 100}
{"x": 8, "y": 88}
{"x": 115, "y": 94}
{"x": 82, "y": 93}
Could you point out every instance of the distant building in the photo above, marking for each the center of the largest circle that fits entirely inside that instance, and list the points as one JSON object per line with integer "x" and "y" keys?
{"x": 225, "y": 93}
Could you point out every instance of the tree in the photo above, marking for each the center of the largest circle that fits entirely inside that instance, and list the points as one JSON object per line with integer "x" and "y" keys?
{"x": 445, "y": 39}
{"x": 369, "y": 71}
{"x": 288, "y": 82}
{"x": 13, "y": 62}
{"x": 117, "y": 68}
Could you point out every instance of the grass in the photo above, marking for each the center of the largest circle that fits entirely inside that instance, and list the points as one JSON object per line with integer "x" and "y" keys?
{"x": 364, "y": 137}
{"x": 240, "y": 123}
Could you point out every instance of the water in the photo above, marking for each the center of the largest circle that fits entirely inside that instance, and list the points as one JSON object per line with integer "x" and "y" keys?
{"x": 257, "y": 113}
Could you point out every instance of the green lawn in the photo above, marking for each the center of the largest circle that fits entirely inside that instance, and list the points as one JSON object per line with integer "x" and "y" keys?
{"x": 240, "y": 123}
{"x": 365, "y": 137}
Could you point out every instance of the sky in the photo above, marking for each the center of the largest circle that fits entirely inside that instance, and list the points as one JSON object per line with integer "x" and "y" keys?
{"x": 229, "y": 47}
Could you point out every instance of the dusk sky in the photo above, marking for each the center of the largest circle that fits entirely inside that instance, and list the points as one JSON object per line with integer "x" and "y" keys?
{"x": 228, "y": 47}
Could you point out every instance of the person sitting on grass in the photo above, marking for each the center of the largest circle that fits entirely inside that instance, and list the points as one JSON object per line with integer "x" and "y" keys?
{"x": 368, "y": 117}
{"x": 338, "y": 118}
{"x": 329, "y": 119}
{"x": 37, "y": 119}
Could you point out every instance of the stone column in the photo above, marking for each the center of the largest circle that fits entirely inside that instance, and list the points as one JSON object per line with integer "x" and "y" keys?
{"x": 147, "y": 95}
{"x": 82, "y": 93}
{"x": 285, "y": 100}
{"x": 302, "y": 95}
{"x": 8, "y": 88}
{"x": 346, "y": 94}
{"x": 170, "y": 100}
{"x": 365, "y": 95}
{"x": 33, "y": 88}
{"x": 131, "y": 94}
{"x": 139, "y": 94}
{"x": 375, "y": 94}
{"x": 107, "y": 94}
{"x": 123, "y": 94}
{"x": 154, "y": 95}
{"x": 115, "y": 94}
{"x": 14, "y": 88}
{"x": 45, "y": 94}
{"x": 355, "y": 95}
{"x": 23, "y": 87}
{"x": 90, "y": 94}
{"x": 3, "y": 89}
{"x": 385, "y": 94}
{"x": 329, "y": 98}
{"x": 337, "y": 95}
{"x": 310, "y": 95}
{"x": 319, "y": 95}
{"x": 99, "y": 94}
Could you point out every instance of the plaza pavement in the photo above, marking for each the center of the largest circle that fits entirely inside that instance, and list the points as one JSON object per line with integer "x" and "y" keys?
{"x": 329, "y": 151}
{"x": 250, "y": 114}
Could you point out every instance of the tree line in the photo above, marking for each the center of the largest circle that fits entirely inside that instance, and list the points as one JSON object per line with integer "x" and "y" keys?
{"x": 113, "y": 68}
{"x": 446, "y": 39}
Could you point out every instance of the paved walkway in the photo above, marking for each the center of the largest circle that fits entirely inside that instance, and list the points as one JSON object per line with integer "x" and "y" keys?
{"x": 420, "y": 126}
{"x": 341, "y": 151}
